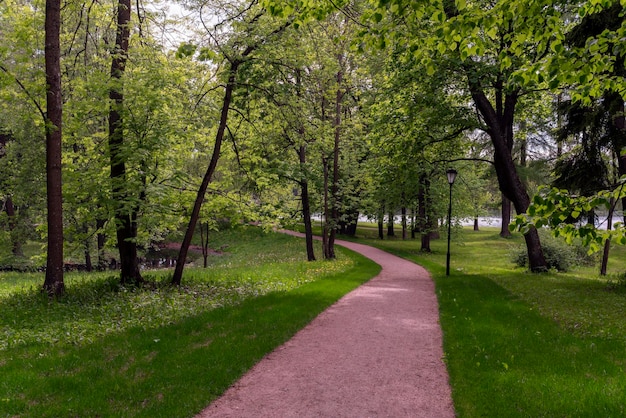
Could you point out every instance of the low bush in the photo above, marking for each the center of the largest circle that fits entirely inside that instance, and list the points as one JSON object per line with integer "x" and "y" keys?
{"x": 559, "y": 255}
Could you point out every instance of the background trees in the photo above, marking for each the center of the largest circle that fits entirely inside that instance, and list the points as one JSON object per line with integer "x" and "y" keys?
{"x": 286, "y": 97}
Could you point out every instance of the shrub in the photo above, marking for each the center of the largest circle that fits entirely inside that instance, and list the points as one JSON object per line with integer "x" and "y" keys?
{"x": 559, "y": 255}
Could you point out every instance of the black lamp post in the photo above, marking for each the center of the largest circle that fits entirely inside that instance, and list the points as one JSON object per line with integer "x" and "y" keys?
{"x": 451, "y": 173}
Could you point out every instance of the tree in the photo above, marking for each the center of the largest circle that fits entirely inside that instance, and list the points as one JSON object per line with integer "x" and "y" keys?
{"x": 242, "y": 49}
{"x": 125, "y": 211}
{"x": 481, "y": 42}
{"x": 53, "y": 284}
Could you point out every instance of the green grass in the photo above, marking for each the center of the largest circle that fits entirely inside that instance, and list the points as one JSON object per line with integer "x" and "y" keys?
{"x": 525, "y": 345}
{"x": 161, "y": 352}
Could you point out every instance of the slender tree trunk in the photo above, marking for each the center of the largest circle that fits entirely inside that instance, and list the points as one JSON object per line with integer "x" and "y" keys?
{"x": 404, "y": 231}
{"x": 125, "y": 218}
{"x": 335, "y": 185}
{"x": 228, "y": 96}
{"x": 306, "y": 206}
{"x": 88, "y": 264}
{"x": 101, "y": 240}
{"x": 390, "y": 219}
{"x": 219, "y": 137}
{"x": 607, "y": 243}
{"x": 53, "y": 283}
{"x": 304, "y": 181}
{"x": 381, "y": 221}
{"x": 476, "y": 224}
{"x": 505, "y": 217}
{"x": 325, "y": 227}
{"x": 422, "y": 201}
{"x": 204, "y": 239}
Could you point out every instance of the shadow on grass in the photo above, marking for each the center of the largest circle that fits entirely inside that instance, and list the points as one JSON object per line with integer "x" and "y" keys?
{"x": 174, "y": 370}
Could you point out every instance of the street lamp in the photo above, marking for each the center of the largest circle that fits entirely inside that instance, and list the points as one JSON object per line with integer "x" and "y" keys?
{"x": 451, "y": 173}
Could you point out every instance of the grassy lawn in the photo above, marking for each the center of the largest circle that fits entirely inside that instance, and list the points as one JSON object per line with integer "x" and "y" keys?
{"x": 516, "y": 344}
{"x": 161, "y": 352}
{"x": 525, "y": 345}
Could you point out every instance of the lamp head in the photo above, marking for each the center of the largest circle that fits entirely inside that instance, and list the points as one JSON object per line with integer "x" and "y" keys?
{"x": 451, "y": 173}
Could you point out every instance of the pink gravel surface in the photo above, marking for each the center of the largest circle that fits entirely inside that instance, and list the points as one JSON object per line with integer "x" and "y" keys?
{"x": 377, "y": 352}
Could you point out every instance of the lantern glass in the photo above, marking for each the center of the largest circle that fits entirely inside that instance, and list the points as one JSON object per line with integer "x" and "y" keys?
{"x": 451, "y": 173}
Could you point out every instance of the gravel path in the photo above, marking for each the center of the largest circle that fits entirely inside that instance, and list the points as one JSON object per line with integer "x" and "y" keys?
{"x": 377, "y": 352}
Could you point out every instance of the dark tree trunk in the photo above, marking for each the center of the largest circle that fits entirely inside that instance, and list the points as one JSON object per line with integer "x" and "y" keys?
{"x": 607, "y": 243}
{"x": 349, "y": 225}
{"x": 327, "y": 215}
{"x": 219, "y": 137}
{"x": 404, "y": 230}
{"x": 424, "y": 224}
{"x": 476, "y": 224}
{"x": 505, "y": 217}
{"x": 53, "y": 283}
{"x": 390, "y": 230}
{"x": 351, "y": 228}
{"x": 125, "y": 217}
{"x": 304, "y": 181}
{"x": 335, "y": 186}
{"x": 306, "y": 206}
{"x": 228, "y": 96}
{"x": 204, "y": 239}
{"x": 500, "y": 129}
{"x": 101, "y": 241}
{"x": 88, "y": 264}
{"x": 381, "y": 221}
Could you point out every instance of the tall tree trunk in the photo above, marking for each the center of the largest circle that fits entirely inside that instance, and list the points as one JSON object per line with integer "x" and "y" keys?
{"x": 125, "y": 218}
{"x": 304, "y": 181}
{"x": 325, "y": 224}
{"x": 607, "y": 243}
{"x": 101, "y": 241}
{"x": 381, "y": 221}
{"x": 219, "y": 137}
{"x": 335, "y": 185}
{"x": 306, "y": 205}
{"x": 500, "y": 130}
{"x": 204, "y": 240}
{"x": 422, "y": 201}
{"x": 390, "y": 219}
{"x": 53, "y": 283}
{"x": 505, "y": 217}
{"x": 88, "y": 264}
{"x": 404, "y": 232}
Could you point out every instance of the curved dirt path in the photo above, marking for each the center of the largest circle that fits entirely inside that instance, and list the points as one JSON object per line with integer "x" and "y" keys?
{"x": 377, "y": 352}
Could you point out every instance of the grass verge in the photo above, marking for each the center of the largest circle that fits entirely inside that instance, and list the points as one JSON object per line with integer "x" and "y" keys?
{"x": 174, "y": 365}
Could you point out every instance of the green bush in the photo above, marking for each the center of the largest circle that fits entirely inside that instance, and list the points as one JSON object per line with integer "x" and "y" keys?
{"x": 559, "y": 255}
